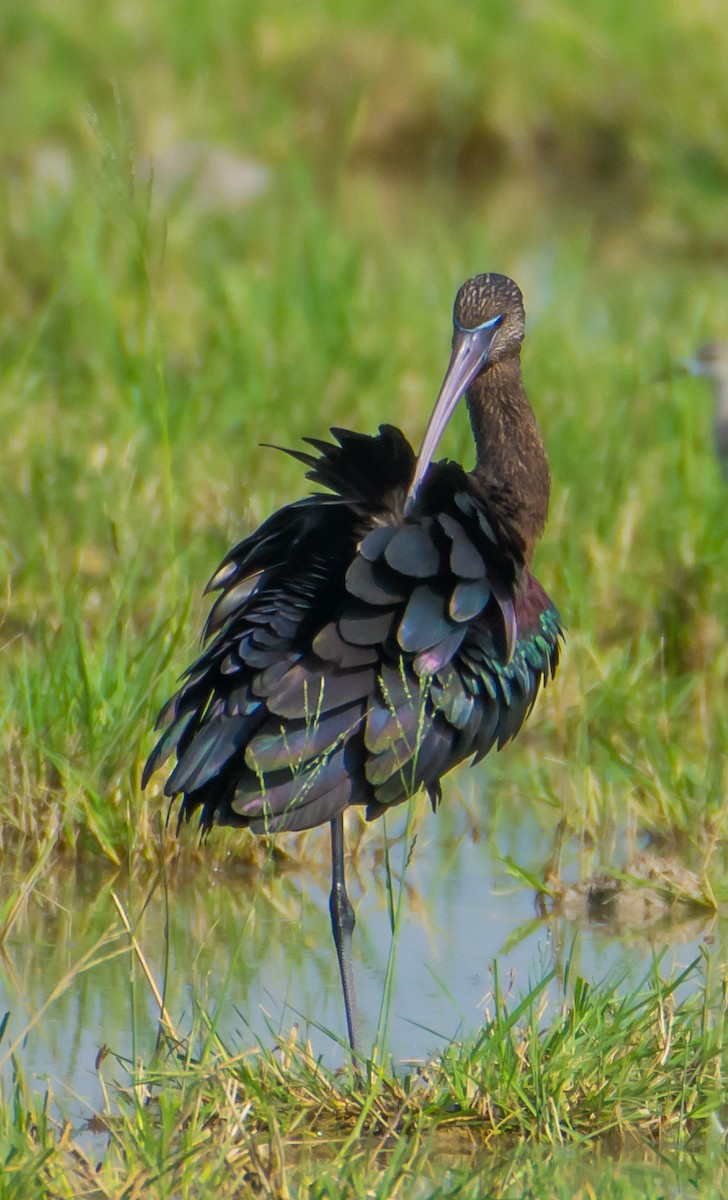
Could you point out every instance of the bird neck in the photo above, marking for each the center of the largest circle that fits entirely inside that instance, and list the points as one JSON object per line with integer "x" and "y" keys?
{"x": 512, "y": 470}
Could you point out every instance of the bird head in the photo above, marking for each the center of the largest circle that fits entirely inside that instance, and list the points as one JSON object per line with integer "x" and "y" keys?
{"x": 490, "y": 302}
{"x": 488, "y": 326}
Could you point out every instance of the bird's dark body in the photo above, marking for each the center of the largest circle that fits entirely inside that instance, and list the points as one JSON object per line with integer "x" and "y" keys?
{"x": 369, "y": 638}
{"x": 356, "y": 655}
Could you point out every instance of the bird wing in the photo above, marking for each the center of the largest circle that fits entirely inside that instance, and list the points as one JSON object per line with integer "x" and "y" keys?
{"x": 472, "y": 639}
{"x": 353, "y": 656}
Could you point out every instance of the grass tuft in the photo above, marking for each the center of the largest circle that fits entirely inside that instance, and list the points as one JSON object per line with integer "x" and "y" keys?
{"x": 639, "y": 1072}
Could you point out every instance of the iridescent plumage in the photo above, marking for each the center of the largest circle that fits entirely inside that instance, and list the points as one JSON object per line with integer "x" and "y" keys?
{"x": 367, "y": 639}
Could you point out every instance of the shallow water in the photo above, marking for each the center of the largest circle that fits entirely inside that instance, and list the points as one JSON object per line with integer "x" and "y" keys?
{"x": 259, "y": 953}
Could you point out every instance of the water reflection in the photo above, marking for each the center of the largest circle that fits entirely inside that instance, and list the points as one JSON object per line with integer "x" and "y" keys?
{"x": 257, "y": 953}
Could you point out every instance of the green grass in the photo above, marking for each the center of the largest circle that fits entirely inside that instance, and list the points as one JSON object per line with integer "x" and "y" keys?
{"x": 636, "y": 1074}
{"x": 151, "y": 339}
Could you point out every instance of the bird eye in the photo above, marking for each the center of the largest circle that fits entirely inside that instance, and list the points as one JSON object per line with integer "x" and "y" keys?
{"x": 492, "y": 323}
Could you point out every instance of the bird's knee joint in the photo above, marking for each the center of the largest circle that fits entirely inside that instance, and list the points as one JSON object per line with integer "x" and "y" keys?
{"x": 341, "y": 909}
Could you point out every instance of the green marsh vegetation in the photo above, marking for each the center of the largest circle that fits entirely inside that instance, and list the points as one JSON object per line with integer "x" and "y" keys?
{"x": 156, "y": 326}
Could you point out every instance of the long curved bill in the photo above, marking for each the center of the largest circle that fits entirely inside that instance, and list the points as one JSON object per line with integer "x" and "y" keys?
{"x": 470, "y": 351}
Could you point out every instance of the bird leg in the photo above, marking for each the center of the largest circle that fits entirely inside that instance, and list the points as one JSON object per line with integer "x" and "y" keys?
{"x": 342, "y": 923}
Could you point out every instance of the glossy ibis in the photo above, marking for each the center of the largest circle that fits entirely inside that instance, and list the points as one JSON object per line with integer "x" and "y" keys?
{"x": 368, "y": 639}
{"x": 711, "y": 362}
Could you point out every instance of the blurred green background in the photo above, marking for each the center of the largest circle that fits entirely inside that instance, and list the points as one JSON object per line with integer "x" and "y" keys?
{"x": 231, "y": 223}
